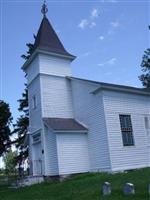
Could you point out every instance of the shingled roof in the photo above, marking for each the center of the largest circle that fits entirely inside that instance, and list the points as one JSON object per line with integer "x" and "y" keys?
{"x": 48, "y": 40}
{"x": 115, "y": 87}
{"x": 64, "y": 124}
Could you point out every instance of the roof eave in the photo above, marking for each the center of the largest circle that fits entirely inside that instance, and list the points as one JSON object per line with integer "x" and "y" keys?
{"x": 118, "y": 89}
{"x": 25, "y": 65}
{"x": 113, "y": 87}
{"x": 68, "y": 131}
{"x": 70, "y": 57}
{"x": 40, "y": 51}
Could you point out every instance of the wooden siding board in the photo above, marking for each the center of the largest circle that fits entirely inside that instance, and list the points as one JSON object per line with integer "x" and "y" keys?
{"x": 54, "y": 65}
{"x": 56, "y": 97}
{"x": 137, "y": 106}
{"x": 88, "y": 109}
{"x": 51, "y": 161}
{"x": 32, "y": 70}
{"x": 35, "y": 115}
{"x": 72, "y": 151}
{"x": 56, "y": 101}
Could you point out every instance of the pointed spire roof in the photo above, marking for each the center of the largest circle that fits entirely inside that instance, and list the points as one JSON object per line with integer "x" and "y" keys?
{"x": 48, "y": 40}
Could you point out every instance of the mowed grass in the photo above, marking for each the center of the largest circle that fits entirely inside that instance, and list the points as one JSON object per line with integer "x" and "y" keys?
{"x": 84, "y": 187}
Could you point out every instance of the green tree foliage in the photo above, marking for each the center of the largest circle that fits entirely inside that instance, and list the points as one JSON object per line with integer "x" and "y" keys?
{"x": 21, "y": 128}
{"x": 145, "y": 77}
{"x": 9, "y": 162}
{"x": 30, "y": 50}
{"x": 5, "y": 122}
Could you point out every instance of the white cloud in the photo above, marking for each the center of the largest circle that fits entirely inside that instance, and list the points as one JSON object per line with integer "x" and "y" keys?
{"x": 113, "y": 1}
{"x": 112, "y": 61}
{"x": 92, "y": 24}
{"x": 83, "y": 23}
{"x": 90, "y": 21}
{"x": 101, "y": 64}
{"x": 94, "y": 13}
{"x": 86, "y": 54}
{"x": 101, "y": 37}
{"x": 115, "y": 24}
{"x": 109, "y": 1}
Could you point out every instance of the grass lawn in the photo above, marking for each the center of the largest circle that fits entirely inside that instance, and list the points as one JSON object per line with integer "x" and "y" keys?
{"x": 83, "y": 187}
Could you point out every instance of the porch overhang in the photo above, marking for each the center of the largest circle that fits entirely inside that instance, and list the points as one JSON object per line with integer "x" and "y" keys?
{"x": 65, "y": 125}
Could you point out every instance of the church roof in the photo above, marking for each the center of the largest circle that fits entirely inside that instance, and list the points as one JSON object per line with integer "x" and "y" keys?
{"x": 64, "y": 124}
{"x": 48, "y": 40}
{"x": 115, "y": 87}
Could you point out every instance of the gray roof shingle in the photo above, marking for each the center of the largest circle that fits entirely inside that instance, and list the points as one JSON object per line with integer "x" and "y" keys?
{"x": 64, "y": 124}
{"x": 48, "y": 40}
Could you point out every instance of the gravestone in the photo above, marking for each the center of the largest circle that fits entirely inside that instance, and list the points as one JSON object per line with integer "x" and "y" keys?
{"x": 128, "y": 189}
{"x": 106, "y": 188}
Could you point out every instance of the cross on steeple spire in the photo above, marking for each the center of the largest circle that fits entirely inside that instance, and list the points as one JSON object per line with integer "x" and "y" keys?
{"x": 44, "y": 9}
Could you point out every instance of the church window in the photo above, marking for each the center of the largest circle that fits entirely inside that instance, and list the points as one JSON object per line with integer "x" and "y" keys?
{"x": 34, "y": 102}
{"x": 147, "y": 122}
{"x": 126, "y": 129}
{"x": 36, "y": 138}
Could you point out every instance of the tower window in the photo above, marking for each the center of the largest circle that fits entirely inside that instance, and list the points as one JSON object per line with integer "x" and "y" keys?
{"x": 34, "y": 102}
{"x": 36, "y": 138}
{"x": 126, "y": 129}
{"x": 147, "y": 122}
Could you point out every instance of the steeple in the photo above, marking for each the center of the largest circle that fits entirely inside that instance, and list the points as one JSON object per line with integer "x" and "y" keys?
{"x": 47, "y": 38}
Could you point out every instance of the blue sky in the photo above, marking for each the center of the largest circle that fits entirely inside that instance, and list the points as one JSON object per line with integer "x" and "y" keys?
{"x": 108, "y": 37}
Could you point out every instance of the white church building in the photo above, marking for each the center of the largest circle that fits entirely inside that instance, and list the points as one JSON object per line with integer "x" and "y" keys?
{"x": 79, "y": 125}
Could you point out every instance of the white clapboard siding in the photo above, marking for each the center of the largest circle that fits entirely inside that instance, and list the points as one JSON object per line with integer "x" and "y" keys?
{"x": 46, "y": 80}
{"x": 33, "y": 69}
{"x": 37, "y": 159}
{"x": 50, "y": 152}
{"x": 56, "y": 97}
{"x": 35, "y": 113}
{"x": 137, "y": 106}
{"x": 35, "y": 117}
{"x": 55, "y": 88}
{"x": 54, "y": 65}
{"x": 72, "y": 150}
{"x": 88, "y": 108}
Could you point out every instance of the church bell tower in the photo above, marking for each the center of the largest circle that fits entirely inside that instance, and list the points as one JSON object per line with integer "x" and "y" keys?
{"x": 49, "y": 91}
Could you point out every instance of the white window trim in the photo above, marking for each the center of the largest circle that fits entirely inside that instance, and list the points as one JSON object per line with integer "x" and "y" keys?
{"x": 39, "y": 138}
{"x": 147, "y": 124}
{"x": 34, "y": 102}
{"x": 127, "y": 146}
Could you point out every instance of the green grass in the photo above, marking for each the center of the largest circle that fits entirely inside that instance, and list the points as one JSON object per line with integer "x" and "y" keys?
{"x": 83, "y": 187}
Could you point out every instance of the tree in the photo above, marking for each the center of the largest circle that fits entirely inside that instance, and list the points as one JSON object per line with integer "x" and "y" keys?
{"x": 21, "y": 126}
{"x": 30, "y": 50}
{"x": 5, "y": 122}
{"x": 145, "y": 77}
{"x": 9, "y": 162}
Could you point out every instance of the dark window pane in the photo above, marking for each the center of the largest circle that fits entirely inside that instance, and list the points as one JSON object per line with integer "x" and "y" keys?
{"x": 126, "y": 129}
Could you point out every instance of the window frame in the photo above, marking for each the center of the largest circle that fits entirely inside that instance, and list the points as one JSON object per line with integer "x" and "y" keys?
{"x": 34, "y": 102}
{"x": 38, "y": 136}
{"x": 126, "y": 130}
{"x": 147, "y": 122}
